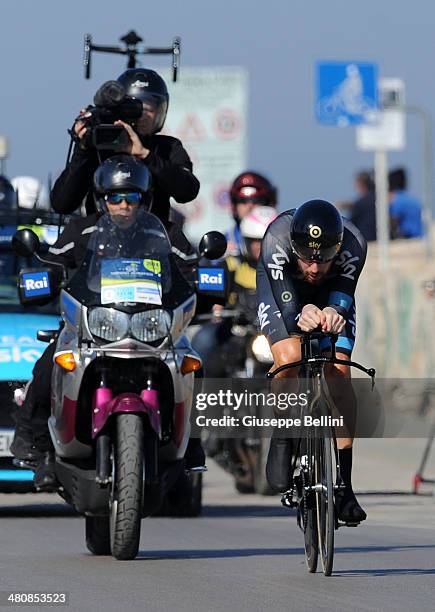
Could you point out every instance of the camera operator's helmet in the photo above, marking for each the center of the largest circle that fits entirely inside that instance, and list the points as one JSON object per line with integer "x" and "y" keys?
{"x": 8, "y": 195}
{"x": 252, "y": 187}
{"x": 254, "y": 226}
{"x": 122, "y": 174}
{"x": 316, "y": 231}
{"x": 148, "y": 86}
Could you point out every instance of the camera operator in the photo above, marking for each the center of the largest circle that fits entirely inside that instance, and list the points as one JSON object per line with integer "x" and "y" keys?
{"x": 164, "y": 156}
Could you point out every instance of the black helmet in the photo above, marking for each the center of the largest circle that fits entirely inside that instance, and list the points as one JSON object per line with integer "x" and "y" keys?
{"x": 122, "y": 173}
{"x": 148, "y": 86}
{"x": 316, "y": 231}
{"x": 8, "y": 195}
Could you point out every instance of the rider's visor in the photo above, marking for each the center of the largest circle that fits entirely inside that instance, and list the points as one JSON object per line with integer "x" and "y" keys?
{"x": 131, "y": 197}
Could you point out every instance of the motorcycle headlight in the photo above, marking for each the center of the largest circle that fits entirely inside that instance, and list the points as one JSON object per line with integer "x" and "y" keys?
{"x": 261, "y": 349}
{"x": 151, "y": 325}
{"x": 108, "y": 324}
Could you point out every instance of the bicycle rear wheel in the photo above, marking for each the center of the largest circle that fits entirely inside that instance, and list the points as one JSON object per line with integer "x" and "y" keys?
{"x": 324, "y": 486}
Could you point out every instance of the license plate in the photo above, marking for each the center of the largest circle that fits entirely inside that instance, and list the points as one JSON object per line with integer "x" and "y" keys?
{"x": 6, "y": 437}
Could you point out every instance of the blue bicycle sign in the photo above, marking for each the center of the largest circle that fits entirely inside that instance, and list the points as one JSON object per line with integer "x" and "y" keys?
{"x": 347, "y": 92}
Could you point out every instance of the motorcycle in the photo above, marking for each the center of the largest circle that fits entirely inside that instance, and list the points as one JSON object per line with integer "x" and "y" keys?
{"x": 123, "y": 377}
{"x": 245, "y": 353}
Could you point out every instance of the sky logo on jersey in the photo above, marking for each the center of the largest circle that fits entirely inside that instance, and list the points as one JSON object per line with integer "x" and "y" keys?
{"x": 36, "y": 284}
{"x": 280, "y": 258}
{"x": 211, "y": 279}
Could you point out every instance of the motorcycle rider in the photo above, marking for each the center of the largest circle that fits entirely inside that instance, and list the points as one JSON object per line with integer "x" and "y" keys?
{"x": 164, "y": 157}
{"x": 306, "y": 277}
{"x": 240, "y": 274}
{"x": 121, "y": 184}
{"x": 248, "y": 189}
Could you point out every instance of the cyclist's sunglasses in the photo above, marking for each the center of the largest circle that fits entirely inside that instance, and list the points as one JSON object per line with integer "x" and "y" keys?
{"x": 131, "y": 197}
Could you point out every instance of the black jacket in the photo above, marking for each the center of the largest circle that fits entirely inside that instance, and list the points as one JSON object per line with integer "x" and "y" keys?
{"x": 168, "y": 162}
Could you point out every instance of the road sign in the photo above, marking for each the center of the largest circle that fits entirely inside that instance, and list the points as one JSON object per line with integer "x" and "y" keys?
{"x": 347, "y": 92}
{"x": 387, "y": 130}
{"x": 208, "y": 113}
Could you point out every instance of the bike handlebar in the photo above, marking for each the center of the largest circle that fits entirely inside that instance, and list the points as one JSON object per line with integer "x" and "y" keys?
{"x": 318, "y": 335}
{"x": 312, "y": 360}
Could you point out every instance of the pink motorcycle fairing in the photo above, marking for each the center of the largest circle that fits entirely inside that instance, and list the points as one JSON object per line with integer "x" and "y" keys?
{"x": 104, "y": 405}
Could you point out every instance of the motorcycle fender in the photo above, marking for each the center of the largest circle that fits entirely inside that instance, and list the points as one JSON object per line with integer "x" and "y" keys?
{"x": 105, "y": 405}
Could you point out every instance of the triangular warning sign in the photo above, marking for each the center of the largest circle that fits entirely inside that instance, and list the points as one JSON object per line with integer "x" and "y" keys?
{"x": 191, "y": 128}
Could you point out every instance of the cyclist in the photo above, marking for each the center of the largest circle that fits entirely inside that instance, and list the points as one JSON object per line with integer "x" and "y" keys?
{"x": 310, "y": 262}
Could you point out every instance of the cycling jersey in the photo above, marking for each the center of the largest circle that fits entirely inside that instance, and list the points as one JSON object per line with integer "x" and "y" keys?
{"x": 282, "y": 291}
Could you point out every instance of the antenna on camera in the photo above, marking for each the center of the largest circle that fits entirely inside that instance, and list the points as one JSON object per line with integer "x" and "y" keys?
{"x": 131, "y": 41}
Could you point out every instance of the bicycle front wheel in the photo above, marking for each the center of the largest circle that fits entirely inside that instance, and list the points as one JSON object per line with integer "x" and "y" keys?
{"x": 324, "y": 487}
{"x": 308, "y": 506}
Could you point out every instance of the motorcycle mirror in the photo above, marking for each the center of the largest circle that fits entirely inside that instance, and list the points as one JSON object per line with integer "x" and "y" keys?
{"x": 213, "y": 245}
{"x": 25, "y": 243}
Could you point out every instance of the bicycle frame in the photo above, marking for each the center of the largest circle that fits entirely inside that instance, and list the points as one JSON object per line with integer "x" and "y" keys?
{"x": 316, "y": 458}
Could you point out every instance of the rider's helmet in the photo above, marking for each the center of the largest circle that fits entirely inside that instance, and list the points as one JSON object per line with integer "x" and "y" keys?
{"x": 316, "y": 231}
{"x": 252, "y": 188}
{"x": 122, "y": 174}
{"x": 148, "y": 86}
{"x": 253, "y": 227}
{"x": 8, "y": 195}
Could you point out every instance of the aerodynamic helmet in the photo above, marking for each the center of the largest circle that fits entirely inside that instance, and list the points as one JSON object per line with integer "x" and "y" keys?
{"x": 316, "y": 231}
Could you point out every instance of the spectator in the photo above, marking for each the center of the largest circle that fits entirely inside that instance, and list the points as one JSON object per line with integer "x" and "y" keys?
{"x": 405, "y": 209}
{"x": 363, "y": 212}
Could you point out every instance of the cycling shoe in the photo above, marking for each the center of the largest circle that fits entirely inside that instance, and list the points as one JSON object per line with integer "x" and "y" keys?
{"x": 348, "y": 508}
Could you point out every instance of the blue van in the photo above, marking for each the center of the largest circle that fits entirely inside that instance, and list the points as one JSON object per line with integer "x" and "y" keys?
{"x": 19, "y": 347}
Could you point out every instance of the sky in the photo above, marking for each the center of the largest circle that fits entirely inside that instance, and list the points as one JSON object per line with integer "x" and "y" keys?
{"x": 279, "y": 41}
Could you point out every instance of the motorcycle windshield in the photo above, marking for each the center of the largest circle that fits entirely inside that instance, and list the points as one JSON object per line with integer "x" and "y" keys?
{"x": 129, "y": 266}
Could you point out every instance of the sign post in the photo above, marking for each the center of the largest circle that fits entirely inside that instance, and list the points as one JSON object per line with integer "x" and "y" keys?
{"x": 382, "y": 216}
{"x": 386, "y": 132}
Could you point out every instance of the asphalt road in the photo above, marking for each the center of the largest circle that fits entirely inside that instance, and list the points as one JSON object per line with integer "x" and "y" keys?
{"x": 244, "y": 553}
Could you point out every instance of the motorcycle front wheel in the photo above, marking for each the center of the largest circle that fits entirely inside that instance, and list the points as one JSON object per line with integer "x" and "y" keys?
{"x": 127, "y": 486}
